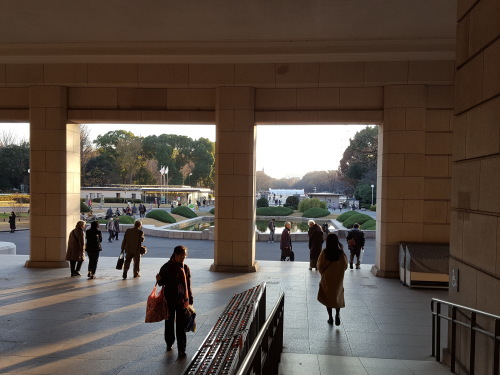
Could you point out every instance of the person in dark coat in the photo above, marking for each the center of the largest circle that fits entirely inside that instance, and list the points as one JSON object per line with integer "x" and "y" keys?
{"x": 12, "y": 222}
{"x": 94, "y": 239}
{"x": 175, "y": 276}
{"x": 116, "y": 227}
{"x": 315, "y": 243}
{"x": 76, "y": 246}
{"x": 355, "y": 242}
{"x": 332, "y": 263}
{"x": 286, "y": 243}
{"x": 131, "y": 244}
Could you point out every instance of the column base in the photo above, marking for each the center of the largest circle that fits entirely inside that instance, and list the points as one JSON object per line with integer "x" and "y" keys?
{"x": 384, "y": 274}
{"x": 46, "y": 264}
{"x": 234, "y": 269}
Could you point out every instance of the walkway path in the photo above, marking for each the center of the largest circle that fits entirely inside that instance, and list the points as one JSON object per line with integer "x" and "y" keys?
{"x": 53, "y": 324}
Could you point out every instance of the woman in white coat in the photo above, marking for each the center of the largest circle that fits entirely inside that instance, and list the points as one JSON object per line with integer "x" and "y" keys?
{"x": 332, "y": 263}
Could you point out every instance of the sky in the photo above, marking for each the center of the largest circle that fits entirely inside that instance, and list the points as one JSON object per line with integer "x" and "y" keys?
{"x": 283, "y": 151}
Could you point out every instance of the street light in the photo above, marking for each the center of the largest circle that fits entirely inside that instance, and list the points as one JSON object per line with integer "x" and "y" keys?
{"x": 190, "y": 179}
{"x": 372, "y": 193}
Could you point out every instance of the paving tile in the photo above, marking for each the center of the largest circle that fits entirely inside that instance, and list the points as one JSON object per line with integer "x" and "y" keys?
{"x": 325, "y": 347}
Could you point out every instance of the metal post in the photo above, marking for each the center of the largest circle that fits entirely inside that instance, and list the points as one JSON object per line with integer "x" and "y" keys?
{"x": 453, "y": 337}
{"x": 438, "y": 332}
{"x": 472, "y": 343}
{"x": 433, "y": 335}
{"x": 496, "y": 348}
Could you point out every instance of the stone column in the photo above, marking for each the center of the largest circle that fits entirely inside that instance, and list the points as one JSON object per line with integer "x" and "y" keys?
{"x": 414, "y": 179}
{"x": 235, "y": 181}
{"x": 54, "y": 175}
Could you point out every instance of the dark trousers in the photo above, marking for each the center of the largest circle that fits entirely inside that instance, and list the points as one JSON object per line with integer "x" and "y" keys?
{"x": 180, "y": 323}
{"x": 75, "y": 266}
{"x": 116, "y": 234}
{"x": 111, "y": 235}
{"x": 137, "y": 263}
{"x": 355, "y": 252}
{"x": 93, "y": 259}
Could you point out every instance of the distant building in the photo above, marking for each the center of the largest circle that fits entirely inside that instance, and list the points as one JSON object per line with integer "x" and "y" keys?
{"x": 147, "y": 193}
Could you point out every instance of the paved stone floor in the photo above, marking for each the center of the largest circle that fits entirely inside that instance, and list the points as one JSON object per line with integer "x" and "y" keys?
{"x": 53, "y": 324}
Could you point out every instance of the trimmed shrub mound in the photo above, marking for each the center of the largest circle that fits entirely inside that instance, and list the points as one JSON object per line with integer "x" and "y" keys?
{"x": 369, "y": 225}
{"x": 184, "y": 211}
{"x": 346, "y": 215}
{"x": 161, "y": 215}
{"x": 84, "y": 207}
{"x": 212, "y": 211}
{"x": 125, "y": 219}
{"x": 373, "y": 208}
{"x": 308, "y": 203}
{"x": 358, "y": 218}
{"x": 316, "y": 212}
{"x": 274, "y": 211}
{"x": 262, "y": 202}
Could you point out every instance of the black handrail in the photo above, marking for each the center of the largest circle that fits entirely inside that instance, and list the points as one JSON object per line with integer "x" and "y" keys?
{"x": 436, "y": 332}
{"x": 264, "y": 355}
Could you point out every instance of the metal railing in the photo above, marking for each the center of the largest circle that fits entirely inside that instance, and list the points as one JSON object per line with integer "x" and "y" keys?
{"x": 264, "y": 355}
{"x": 451, "y": 316}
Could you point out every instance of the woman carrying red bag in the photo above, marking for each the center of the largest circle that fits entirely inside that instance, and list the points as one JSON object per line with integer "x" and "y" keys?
{"x": 175, "y": 276}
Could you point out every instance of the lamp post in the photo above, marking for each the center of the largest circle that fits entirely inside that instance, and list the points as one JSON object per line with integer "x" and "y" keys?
{"x": 372, "y": 192}
{"x": 190, "y": 179}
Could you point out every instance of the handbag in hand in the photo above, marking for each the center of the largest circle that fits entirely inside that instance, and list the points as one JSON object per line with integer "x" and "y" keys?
{"x": 156, "y": 307}
{"x": 190, "y": 313}
{"x": 120, "y": 261}
{"x": 143, "y": 250}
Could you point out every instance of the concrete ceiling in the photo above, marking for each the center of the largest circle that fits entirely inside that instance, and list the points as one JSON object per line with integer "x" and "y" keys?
{"x": 35, "y": 29}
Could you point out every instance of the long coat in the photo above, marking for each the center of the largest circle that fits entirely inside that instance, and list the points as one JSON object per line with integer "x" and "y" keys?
{"x": 76, "y": 245}
{"x": 315, "y": 241}
{"x": 331, "y": 285}
{"x": 94, "y": 239}
{"x": 132, "y": 240}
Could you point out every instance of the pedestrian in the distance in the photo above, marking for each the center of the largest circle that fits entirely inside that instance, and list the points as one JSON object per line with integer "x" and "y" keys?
{"x": 93, "y": 247}
{"x": 286, "y": 243}
{"x": 131, "y": 244}
{"x": 272, "y": 227}
{"x": 355, "y": 242}
{"x": 332, "y": 263}
{"x": 76, "y": 246}
{"x": 176, "y": 277}
{"x": 110, "y": 226}
{"x": 315, "y": 242}
{"x": 116, "y": 227}
{"x": 12, "y": 222}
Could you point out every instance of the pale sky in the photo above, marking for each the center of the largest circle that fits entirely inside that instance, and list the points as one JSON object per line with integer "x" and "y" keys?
{"x": 282, "y": 150}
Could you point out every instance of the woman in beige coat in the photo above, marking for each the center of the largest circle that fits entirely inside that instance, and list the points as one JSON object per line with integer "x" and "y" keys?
{"x": 332, "y": 263}
{"x": 76, "y": 246}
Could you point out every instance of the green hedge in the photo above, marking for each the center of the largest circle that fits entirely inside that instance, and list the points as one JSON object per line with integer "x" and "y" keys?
{"x": 118, "y": 200}
{"x": 84, "y": 207}
{"x": 316, "y": 212}
{"x": 346, "y": 215}
{"x": 274, "y": 211}
{"x": 125, "y": 219}
{"x": 369, "y": 225}
{"x": 373, "y": 208}
{"x": 358, "y": 218}
{"x": 212, "y": 211}
{"x": 308, "y": 203}
{"x": 262, "y": 202}
{"x": 161, "y": 215}
{"x": 184, "y": 211}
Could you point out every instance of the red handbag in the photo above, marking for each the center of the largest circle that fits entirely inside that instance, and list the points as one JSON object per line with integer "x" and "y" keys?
{"x": 156, "y": 307}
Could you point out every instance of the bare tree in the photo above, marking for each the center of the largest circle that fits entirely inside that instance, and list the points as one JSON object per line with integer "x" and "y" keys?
{"x": 8, "y": 137}
{"x": 86, "y": 149}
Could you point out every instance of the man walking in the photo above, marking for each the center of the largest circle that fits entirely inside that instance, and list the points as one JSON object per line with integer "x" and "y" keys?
{"x": 315, "y": 243}
{"x": 110, "y": 226}
{"x": 272, "y": 227}
{"x": 131, "y": 243}
{"x": 286, "y": 243}
{"x": 355, "y": 242}
{"x": 116, "y": 228}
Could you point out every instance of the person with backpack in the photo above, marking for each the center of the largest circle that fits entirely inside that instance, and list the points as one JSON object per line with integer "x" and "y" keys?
{"x": 272, "y": 227}
{"x": 355, "y": 242}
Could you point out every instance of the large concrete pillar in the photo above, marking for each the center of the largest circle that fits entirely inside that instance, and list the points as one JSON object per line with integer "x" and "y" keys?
{"x": 414, "y": 178}
{"x": 54, "y": 175}
{"x": 235, "y": 181}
